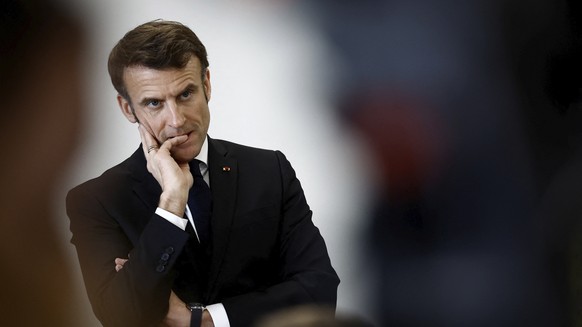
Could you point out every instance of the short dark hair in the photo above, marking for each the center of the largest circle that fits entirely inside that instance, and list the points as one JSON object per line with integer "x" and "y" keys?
{"x": 156, "y": 44}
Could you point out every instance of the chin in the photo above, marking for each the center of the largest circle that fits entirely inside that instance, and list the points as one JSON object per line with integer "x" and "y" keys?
{"x": 184, "y": 156}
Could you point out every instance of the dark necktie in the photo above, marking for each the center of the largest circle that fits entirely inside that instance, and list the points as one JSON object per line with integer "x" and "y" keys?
{"x": 192, "y": 267}
{"x": 200, "y": 203}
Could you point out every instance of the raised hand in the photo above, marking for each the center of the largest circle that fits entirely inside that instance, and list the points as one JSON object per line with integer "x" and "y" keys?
{"x": 174, "y": 179}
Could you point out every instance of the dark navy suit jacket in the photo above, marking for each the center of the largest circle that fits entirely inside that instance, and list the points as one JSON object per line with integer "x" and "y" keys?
{"x": 266, "y": 252}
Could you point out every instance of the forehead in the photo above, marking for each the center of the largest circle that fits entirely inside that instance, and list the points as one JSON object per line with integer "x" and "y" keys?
{"x": 139, "y": 79}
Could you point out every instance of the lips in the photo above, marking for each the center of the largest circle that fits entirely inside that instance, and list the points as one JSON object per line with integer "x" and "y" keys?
{"x": 188, "y": 138}
{"x": 174, "y": 136}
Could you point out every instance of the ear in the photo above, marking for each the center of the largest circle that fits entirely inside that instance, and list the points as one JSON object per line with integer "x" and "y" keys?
{"x": 125, "y": 107}
{"x": 207, "y": 85}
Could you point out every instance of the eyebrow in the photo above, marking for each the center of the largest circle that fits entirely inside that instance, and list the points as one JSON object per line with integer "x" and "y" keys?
{"x": 190, "y": 87}
{"x": 145, "y": 101}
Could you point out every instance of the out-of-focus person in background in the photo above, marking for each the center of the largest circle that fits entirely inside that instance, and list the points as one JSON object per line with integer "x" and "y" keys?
{"x": 40, "y": 51}
{"x": 453, "y": 102}
{"x": 560, "y": 208}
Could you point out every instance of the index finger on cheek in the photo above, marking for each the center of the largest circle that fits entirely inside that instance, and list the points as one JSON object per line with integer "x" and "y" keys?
{"x": 142, "y": 136}
{"x": 147, "y": 139}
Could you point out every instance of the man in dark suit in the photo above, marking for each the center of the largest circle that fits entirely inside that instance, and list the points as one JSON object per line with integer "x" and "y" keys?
{"x": 155, "y": 244}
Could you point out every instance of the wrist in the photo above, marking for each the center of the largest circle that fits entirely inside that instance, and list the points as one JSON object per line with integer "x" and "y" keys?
{"x": 175, "y": 204}
{"x": 207, "y": 319}
{"x": 197, "y": 311}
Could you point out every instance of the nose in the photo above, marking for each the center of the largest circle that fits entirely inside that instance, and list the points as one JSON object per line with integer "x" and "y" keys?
{"x": 177, "y": 118}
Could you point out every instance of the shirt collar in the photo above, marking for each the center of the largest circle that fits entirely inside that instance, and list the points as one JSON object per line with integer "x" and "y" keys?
{"x": 203, "y": 155}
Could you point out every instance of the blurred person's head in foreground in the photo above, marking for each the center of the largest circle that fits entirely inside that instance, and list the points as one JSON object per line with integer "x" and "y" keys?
{"x": 40, "y": 51}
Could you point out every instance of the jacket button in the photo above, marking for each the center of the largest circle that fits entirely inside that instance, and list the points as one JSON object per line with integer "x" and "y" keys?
{"x": 165, "y": 257}
{"x": 170, "y": 250}
{"x": 160, "y": 268}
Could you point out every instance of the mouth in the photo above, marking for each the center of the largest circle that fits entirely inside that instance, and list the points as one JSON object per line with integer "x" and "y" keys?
{"x": 188, "y": 137}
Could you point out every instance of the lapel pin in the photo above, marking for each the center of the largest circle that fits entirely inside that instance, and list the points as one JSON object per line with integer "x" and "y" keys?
{"x": 226, "y": 168}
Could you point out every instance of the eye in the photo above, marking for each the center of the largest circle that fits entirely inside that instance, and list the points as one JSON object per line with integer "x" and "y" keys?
{"x": 153, "y": 103}
{"x": 186, "y": 94}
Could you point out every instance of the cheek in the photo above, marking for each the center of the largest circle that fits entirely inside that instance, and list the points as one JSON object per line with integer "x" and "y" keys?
{"x": 198, "y": 115}
{"x": 205, "y": 114}
{"x": 154, "y": 126}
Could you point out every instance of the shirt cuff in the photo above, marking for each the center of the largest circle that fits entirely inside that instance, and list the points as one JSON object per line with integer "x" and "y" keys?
{"x": 172, "y": 218}
{"x": 218, "y": 314}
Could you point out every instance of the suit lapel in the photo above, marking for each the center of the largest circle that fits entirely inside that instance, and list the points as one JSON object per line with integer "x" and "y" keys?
{"x": 223, "y": 171}
{"x": 145, "y": 185}
{"x": 223, "y": 177}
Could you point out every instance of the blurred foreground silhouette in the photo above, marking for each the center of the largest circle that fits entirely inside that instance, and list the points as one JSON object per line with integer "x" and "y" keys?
{"x": 40, "y": 46}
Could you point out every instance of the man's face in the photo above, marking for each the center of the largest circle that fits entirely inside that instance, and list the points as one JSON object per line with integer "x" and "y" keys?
{"x": 169, "y": 103}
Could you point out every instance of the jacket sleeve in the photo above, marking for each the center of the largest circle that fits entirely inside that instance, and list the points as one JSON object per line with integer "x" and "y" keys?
{"x": 305, "y": 272}
{"x": 138, "y": 294}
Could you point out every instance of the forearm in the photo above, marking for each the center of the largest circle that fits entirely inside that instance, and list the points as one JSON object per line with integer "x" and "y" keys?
{"x": 138, "y": 294}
